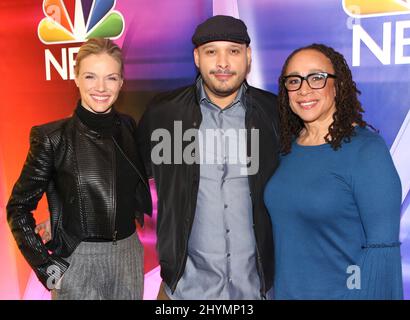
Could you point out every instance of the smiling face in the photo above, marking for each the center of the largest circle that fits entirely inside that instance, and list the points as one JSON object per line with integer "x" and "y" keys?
{"x": 99, "y": 80}
{"x": 313, "y": 106}
{"x": 223, "y": 66}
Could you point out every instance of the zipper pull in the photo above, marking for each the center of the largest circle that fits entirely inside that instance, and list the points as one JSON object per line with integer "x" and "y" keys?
{"x": 114, "y": 238}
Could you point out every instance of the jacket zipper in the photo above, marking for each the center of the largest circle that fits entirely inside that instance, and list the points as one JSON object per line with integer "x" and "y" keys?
{"x": 185, "y": 254}
{"x": 114, "y": 237}
{"x": 130, "y": 162}
{"x": 259, "y": 264}
{"x": 114, "y": 170}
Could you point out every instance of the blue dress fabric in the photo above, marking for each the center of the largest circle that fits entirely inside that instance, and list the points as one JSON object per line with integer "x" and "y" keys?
{"x": 336, "y": 221}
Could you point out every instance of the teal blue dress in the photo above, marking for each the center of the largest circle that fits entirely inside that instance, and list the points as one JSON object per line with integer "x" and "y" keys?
{"x": 336, "y": 221}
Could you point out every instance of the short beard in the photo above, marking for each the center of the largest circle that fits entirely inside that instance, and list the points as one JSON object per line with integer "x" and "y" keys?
{"x": 224, "y": 92}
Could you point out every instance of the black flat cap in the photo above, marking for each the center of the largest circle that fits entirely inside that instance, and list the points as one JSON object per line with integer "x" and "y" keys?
{"x": 221, "y": 28}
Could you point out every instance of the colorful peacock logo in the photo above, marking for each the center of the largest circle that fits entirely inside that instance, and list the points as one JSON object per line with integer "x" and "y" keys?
{"x": 69, "y": 21}
{"x": 373, "y": 8}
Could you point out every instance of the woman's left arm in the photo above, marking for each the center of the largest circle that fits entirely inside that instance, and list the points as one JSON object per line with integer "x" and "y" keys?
{"x": 377, "y": 191}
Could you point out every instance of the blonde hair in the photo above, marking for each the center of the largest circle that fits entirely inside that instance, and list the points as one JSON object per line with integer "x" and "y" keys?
{"x": 99, "y": 46}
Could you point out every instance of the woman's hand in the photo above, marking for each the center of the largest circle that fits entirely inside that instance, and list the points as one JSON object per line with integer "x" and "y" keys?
{"x": 44, "y": 229}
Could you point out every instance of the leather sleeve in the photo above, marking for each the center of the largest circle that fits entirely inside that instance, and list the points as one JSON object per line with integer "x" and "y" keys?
{"x": 26, "y": 194}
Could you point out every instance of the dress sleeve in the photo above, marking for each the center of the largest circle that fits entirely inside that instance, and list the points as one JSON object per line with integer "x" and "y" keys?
{"x": 377, "y": 191}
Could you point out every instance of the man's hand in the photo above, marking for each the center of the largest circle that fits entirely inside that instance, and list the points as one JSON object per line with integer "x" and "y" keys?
{"x": 44, "y": 229}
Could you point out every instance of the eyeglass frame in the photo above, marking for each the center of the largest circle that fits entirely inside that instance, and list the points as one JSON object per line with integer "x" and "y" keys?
{"x": 325, "y": 74}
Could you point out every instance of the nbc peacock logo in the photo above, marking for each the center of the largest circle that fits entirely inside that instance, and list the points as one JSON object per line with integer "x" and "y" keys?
{"x": 375, "y": 8}
{"x": 73, "y": 21}
{"x": 392, "y": 30}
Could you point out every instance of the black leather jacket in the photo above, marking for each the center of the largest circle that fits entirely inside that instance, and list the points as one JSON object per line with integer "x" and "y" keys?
{"x": 177, "y": 184}
{"x": 75, "y": 166}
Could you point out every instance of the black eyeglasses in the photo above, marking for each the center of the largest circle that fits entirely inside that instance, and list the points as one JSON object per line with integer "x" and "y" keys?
{"x": 315, "y": 80}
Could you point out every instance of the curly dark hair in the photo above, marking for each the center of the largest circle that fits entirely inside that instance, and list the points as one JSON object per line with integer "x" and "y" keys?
{"x": 348, "y": 108}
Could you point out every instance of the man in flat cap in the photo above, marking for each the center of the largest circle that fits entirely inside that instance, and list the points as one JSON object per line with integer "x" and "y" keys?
{"x": 203, "y": 145}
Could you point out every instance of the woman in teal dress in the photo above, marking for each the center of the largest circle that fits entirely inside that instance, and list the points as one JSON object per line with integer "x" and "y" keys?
{"x": 335, "y": 199}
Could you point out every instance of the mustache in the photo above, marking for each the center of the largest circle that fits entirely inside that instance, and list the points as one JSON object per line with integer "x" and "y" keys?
{"x": 221, "y": 71}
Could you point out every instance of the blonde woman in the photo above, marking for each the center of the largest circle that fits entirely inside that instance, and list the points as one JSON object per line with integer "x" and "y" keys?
{"x": 96, "y": 188}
